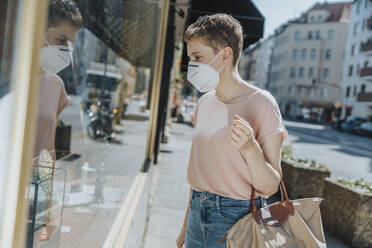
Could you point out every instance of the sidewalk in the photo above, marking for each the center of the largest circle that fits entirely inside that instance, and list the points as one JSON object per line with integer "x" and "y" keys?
{"x": 169, "y": 192}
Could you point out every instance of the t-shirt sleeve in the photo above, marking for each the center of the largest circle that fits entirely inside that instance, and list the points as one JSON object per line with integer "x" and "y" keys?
{"x": 270, "y": 121}
{"x": 63, "y": 100}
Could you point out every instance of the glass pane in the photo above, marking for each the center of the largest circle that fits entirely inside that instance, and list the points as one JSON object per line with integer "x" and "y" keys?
{"x": 8, "y": 16}
{"x": 93, "y": 117}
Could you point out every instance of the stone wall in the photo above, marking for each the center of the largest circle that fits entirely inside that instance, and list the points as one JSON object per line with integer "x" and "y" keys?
{"x": 347, "y": 214}
{"x": 303, "y": 182}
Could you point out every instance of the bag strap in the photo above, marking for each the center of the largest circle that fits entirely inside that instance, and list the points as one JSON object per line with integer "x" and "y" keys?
{"x": 284, "y": 200}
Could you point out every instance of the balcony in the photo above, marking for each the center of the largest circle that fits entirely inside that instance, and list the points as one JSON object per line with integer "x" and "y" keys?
{"x": 367, "y": 47}
{"x": 364, "y": 97}
{"x": 366, "y": 73}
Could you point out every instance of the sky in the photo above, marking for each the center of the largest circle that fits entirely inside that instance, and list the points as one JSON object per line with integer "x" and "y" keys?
{"x": 277, "y": 12}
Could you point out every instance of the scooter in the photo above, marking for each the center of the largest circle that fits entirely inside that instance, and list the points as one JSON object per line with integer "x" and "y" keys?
{"x": 100, "y": 117}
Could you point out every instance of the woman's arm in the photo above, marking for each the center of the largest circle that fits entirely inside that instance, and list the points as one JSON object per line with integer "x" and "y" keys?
{"x": 263, "y": 162}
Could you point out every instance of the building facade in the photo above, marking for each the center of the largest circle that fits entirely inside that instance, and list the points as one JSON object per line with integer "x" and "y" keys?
{"x": 356, "y": 96}
{"x": 307, "y": 61}
{"x": 255, "y": 61}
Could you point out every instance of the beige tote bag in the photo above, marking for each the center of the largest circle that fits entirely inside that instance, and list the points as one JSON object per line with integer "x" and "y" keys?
{"x": 285, "y": 224}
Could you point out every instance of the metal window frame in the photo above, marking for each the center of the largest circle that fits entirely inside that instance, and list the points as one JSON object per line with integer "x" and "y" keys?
{"x": 31, "y": 20}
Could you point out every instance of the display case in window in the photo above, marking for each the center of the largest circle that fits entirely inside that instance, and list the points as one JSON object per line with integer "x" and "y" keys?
{"x": 46, "y": 194}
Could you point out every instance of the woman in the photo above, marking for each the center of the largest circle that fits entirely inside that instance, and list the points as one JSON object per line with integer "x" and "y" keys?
{"x": 237, "y": 139}
{"x": 64, "y": 23}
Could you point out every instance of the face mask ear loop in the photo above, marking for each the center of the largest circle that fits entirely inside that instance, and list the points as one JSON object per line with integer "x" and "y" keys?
{"x": 221, "y": 68}
{"x": 218, "y": 54}
{"x": 215, "y": 57}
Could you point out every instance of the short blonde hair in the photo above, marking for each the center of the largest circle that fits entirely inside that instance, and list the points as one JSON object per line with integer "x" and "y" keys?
{"x": 218, "y": 30}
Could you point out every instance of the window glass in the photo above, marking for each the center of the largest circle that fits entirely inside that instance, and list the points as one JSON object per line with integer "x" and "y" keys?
{"x": 303, "y": 53}
{"x": 313, "y": 54}
{"x": 293, "y": 72}
{"x": 326, "y": 74}
{"x": 8, "y": 18}
{"x": 331, "y": 34}
{"x": 92, "y": 118}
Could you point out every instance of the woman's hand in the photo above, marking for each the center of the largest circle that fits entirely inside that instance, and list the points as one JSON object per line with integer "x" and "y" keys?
{"x": 181, "y": 240}
{"x": 241, "y": 134}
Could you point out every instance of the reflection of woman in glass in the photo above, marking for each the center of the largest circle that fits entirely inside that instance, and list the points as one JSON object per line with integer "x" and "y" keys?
{"x": 64, "y": 23}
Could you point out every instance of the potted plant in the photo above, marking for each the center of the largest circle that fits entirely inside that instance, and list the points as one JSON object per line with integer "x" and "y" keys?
{"x": 63, "y": 139}
{"x": 347, "y": 211}
{"x": 303, "y": 177}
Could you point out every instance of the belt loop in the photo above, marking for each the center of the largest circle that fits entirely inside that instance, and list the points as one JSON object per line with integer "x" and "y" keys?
{"x": 218, "y": 202}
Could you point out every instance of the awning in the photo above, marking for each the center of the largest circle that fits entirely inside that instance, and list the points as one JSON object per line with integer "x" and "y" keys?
{"x": 128, "y": 27}
{"x": 243, "y": 10}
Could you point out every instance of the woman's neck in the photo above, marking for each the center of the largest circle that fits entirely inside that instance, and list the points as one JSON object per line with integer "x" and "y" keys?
{"x": 231, "y": 86}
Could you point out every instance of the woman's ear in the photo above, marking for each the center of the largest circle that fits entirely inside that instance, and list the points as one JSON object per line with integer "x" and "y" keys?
{"x": 227, "y": 54}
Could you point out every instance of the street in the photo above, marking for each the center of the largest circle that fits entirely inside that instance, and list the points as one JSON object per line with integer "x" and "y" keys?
{"x": 346, "y": 155}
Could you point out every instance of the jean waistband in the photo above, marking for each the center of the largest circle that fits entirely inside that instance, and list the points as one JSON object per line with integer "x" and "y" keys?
{"x": 223, "y": 200}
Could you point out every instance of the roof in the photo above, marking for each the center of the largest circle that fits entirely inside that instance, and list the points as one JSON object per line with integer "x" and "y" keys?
{"x": 337, "y": 11}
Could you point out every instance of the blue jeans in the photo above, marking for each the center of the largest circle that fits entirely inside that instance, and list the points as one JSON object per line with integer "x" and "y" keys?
{"x": 211, "y": 215}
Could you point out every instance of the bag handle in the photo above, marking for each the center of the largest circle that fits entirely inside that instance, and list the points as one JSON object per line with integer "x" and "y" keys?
{"x": 284, "y": 200}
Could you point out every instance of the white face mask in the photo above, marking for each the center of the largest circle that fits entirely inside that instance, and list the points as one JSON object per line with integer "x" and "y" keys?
{"x": 55, "y": 58}
{"x": 203, "y": 76}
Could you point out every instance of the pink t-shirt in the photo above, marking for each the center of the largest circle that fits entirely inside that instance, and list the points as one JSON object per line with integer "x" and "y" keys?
{"x": 215, "y": 165}
{"x": 53, "y": 99}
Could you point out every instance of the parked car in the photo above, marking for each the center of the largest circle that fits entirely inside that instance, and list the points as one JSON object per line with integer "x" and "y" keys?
{"x": 366, "y": 129}
{"x": 352, "y": 124}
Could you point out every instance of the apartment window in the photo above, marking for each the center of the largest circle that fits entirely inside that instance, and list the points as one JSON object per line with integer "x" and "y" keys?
{"x": 363, "y": 88}
{"x": 354, "y": 90}
{"x": 301, "y": 72}
{"x": 297, "y": 36}
{"x": 366, "y": 64}
{"x": 313, "y": 54}
{"x": 325, "y": 74}
{"x": 295, "y": 54}
{"x": 348, "y": 91}
{"x": 364, "y": 24}
{"x": 290, "y": 90}
{"x": 302, "y": 91}
{"x": 366, "y": 4}
{"x": 317, "y": 35}
{"x": 358, "y": 69}
{"x": 358, "y": 6}
{"x": 312, "y": 18}
{"x": 303, "y": 53}
{"x": 350, "y": 71}
{"x": 293, "y": 72}
{"x": 311, "y": 72}
{"x": 324, "y": 93}
{"x": 355, "y": 30}
{"x": 352, "y": 50}
{"x": 331, "y": 34}
{"x": 328, "y": 54}
{"x": 312, "y": 92}
{"x": 319, "y": 17}
{"x": 310, "y": 35}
